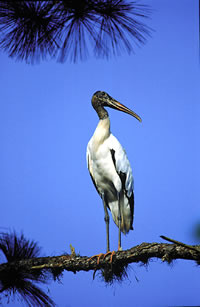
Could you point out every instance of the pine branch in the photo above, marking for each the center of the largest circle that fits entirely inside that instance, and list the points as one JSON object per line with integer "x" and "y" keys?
{"x": 24, "y": 267}
{"x": 74, "y": 263}
{"x": 34, "y": 30}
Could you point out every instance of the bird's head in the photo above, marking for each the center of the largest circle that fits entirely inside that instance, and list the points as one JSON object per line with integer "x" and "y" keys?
{"x": 102, "y": 99}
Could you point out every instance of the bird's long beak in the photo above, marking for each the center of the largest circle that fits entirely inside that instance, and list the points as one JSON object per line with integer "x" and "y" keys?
{"x": 112, "y": 103}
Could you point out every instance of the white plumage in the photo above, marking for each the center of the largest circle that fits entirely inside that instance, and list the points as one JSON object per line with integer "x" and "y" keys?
{"x": 101, "y": 156}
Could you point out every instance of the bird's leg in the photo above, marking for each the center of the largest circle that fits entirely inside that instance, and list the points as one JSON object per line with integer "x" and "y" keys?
{"x": 119, "y": 221}
{"x": 106, "y": 218}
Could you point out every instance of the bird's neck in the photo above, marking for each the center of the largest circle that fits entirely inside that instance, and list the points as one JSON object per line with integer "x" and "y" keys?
{"x": 102, "y": 131}
{"x": 102, "y": 113}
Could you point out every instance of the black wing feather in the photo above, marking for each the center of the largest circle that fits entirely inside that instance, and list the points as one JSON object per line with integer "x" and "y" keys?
{"x": 123, "y": 180}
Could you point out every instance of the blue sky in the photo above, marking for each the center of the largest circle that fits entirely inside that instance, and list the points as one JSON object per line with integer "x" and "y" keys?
{"x": 46, "y": 121}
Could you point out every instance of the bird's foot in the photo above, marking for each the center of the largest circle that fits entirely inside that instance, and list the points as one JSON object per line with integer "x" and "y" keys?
{"x": 99, "y": 256}
{"x": 111, "y": 255}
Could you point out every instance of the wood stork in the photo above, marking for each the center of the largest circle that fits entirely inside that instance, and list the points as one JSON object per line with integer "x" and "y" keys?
{"x": 110, "y": 169}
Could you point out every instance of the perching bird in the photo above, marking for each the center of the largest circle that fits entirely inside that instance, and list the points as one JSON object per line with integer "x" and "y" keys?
{"x": 110, "y": 169}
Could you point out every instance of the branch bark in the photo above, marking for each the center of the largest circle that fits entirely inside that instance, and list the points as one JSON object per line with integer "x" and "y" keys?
{"x": 74, "y": 263}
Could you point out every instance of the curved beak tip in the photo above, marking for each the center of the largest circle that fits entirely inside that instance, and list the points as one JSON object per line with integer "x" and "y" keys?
{"x": 112, "y": 103}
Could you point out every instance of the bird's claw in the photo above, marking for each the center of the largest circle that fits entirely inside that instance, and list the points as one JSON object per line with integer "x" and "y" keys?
{"x": 111, "y": 255}
{"x": 99, "y": 256}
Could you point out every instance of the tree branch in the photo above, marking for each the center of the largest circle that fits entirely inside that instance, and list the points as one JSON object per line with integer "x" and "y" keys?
{"x": 74, "y": 263}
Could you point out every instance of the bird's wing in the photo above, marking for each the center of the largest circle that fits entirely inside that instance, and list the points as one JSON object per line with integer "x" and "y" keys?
{"x": 122, "y": 165}
{"x": 124, "y": 171}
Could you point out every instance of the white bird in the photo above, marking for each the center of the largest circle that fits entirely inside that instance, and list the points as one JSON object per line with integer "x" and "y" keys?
{"x": 110, "y": 169}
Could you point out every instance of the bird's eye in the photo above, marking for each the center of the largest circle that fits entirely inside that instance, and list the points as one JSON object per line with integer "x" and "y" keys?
{"x": 105, "y": 95}
{"x": 102, "y": 94}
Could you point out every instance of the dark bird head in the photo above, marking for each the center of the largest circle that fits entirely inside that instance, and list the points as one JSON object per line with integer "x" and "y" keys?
{"x": 101, "y": 99}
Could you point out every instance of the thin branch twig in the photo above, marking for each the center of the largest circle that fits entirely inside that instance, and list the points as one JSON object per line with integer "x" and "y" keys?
{"x": 196, "y": 249}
